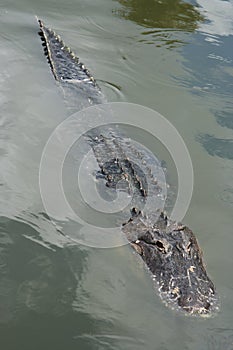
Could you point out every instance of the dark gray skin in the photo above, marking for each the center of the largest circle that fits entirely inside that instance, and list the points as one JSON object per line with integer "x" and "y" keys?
{"x": 172, "y": 254}
{"x": 169, "y": 249}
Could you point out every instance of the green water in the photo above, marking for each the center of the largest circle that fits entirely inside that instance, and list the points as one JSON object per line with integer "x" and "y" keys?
{"x": 172, "y": 56}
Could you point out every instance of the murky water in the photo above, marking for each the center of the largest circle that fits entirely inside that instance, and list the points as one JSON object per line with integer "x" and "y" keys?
{"x": 173, "y": 56}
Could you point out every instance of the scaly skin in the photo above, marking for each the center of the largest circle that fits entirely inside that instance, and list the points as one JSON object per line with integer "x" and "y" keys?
{"x": 173, "y": 256}
{"x": 79, "y": 86}
{"x": 169, "y": 249}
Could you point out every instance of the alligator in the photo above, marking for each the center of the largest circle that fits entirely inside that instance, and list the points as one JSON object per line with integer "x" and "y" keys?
{"x": 169, "y": 249}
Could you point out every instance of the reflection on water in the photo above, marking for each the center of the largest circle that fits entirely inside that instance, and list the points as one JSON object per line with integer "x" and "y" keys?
{"x": 209, "y": 72}
{"x": 219, "y": 15}
{"x": 227, "y": 195}
{"x": 167, "y": 21}
{"x": 225, "y": 118}
{"x": 30, "y": 273}
{"x": 217, "y": 147}
{"x": 222, "y": 338}
{"x": 37, "y": 288}
{"x": 173, "y": 14}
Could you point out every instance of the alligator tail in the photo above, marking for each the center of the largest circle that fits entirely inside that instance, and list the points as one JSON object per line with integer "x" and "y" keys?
{"x": 65, "y": 65}
{"x": 72, "y": 74}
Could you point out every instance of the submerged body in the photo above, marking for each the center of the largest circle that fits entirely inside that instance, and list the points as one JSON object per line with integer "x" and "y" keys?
{"x": 169, "y": 250}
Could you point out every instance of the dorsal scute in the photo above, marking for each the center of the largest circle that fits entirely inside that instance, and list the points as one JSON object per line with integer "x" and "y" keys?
{"x": 65, "y": 65}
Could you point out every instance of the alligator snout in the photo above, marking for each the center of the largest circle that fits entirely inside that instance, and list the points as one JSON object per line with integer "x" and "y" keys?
{"x": 173, "y": 256}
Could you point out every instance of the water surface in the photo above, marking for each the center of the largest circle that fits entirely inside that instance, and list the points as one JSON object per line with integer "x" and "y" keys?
{"x": 172, "y": 56}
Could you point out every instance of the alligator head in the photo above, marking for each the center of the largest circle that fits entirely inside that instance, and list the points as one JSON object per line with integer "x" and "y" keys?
{"x": 172, "y": 254}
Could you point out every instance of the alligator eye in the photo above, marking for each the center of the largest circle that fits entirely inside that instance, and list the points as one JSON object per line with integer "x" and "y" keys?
{"x": 160, "y": 246}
